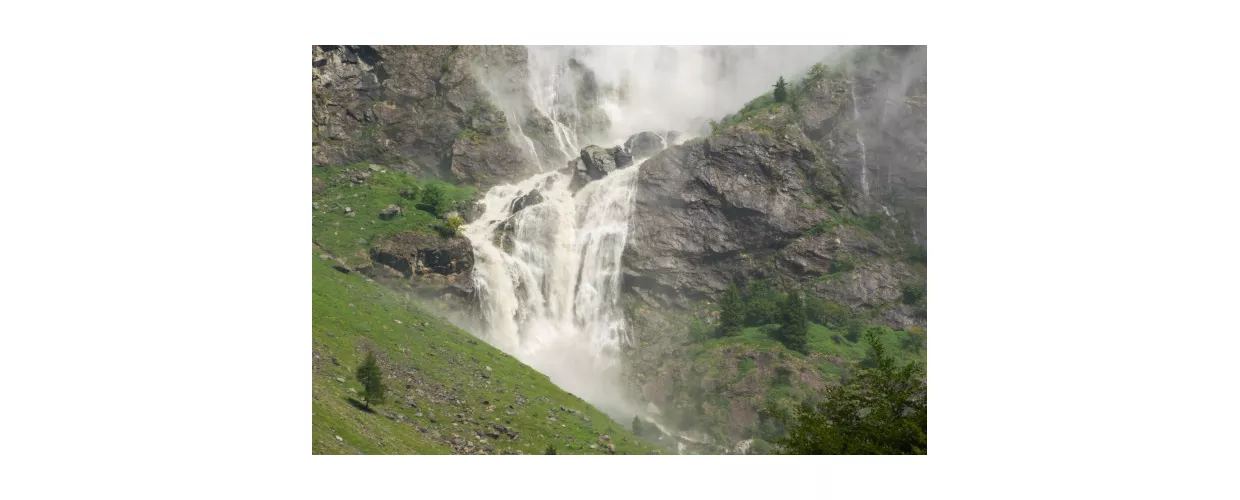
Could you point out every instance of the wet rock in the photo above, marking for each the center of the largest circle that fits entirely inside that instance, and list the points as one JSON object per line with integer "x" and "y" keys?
{"x": 531, "y": 198}
{"x": 622, "y": 157}
{"x": 417, "y": 254}
{"x": 645, "y": 144}
{"x": 598, "y": 162}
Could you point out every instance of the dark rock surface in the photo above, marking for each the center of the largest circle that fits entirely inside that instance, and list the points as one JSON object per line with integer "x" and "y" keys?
{"x": 645, "y": 144}
{"x": 598, "y": 162}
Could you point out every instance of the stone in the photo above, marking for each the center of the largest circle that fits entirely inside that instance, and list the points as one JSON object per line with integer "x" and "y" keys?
{"x": 390, "y": 212}
{"x": 339, "y": 379}
{"x": 598, "y": 162}
{"x": 622, "y": 157}
{"x": 645, "y": 144}
{"x": 348, "y": 210}
{"x": 531, "y": 198}
{"x": 611, "y": 448}
{"x": 338, "y": 438}
{"x": 375, "y": 168}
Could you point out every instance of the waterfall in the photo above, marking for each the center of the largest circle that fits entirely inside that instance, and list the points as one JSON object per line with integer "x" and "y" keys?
{"x": 548, "y": 278}
{"x": 865, "y": 183}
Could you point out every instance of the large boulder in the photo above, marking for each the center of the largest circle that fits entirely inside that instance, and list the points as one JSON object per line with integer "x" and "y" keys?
{"x": 645, "y": 144}
{"x": 622, "y": 157}
{"x": 598, "y": 162}
{"x": 416, "y": 254}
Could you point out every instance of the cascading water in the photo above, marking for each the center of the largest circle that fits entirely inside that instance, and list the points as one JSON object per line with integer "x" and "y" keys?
{"x": 548, "y": 275}
{"x": 548, "y": 278}
{"x": 865, "y": 183}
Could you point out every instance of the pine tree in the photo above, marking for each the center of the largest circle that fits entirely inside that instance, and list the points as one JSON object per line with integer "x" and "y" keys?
{"x": 371, "y": 378}
{"x": 732, "y": 311}
{"x": 781, "y": 90}
{"x": 795, "y": 330}
{"x": 880, "y": 412}
{"x": 550, "y": 450}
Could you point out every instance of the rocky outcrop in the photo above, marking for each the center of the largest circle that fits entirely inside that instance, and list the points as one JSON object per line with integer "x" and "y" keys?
{"x": 419, "y": 109}
{"x": 704, "y": 209}
{"x": 427, "y": 260}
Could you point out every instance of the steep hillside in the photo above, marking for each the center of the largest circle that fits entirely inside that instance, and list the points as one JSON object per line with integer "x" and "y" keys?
{"x": 448, "y": 392}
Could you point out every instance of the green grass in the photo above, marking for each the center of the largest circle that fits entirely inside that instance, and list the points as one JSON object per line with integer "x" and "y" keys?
{"x": 349, "y": 237}
{"x": 433, "y": 368}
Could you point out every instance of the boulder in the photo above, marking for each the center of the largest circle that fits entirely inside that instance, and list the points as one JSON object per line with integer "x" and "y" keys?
{"x": 390, "y": 212}
{"x": 645, "y": 144}
{"x": 598, "y": 162}
{"x": 622, "y": 157}
{"x": 414, "y": 254}
{"x": 580, "y": 177}
{"x": 531, "y": 198}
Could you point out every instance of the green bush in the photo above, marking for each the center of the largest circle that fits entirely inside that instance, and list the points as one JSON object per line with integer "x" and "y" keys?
{"x": 435, "y": 201}
{"x": 550, "y": 450}
{"x": 410, "y": 193}
{"x": 731, "y": 311}
{"x": 916, "y": 255}
{"x": 826, "y": 312}
{"x": 794, "y": 333}
{"x": 914, "y": 293}
{"x": 842, "y": 265}
{"x": 781, "y": 90}
{"x": 701, "y": 331}
{"x": 762, "y": 304}
{"x": 872, "y": 223}
{"x": 853, "y": 329}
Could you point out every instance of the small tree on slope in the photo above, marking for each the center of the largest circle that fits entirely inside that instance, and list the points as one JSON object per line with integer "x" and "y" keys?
{"x": 371, "y": 378}
{"x": 795, "y": 330}
{"x": 732, "y": 311}
{"x": 781, "y": 90}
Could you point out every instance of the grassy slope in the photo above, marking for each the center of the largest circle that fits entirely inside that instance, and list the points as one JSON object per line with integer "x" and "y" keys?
{"x": 436, "y": 370}
{"x": 349, "y": 237}
{"x": 439, "y": 371}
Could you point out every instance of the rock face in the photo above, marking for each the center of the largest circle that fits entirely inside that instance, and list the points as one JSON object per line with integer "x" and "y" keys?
{"x": 419, "y": 109}
{"x": 426, "y": 259}
{"x": 644, "y": 144}
{"x": 703, "y": 207}
{"x": 622, "y": 157}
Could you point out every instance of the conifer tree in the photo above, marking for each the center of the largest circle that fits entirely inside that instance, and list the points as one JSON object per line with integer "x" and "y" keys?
{"x": 371, "y": 378}
{"x": 732, "y": 311}
{"x": 795, "y": 330}
{"x": 781, "y": 90}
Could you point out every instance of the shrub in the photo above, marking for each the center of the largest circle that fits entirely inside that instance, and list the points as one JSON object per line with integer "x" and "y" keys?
{"x": 435, "y": 201}
{"x": 550, "y": 450}
{"x": 916, "y": 255}
{"x": 914, "y": 293}
{"x": 732, "y": 311}
{"x": 872, "y": 223}
{"x": 762, "y": 305}
{"x": 410, "y": 193}
{"x": 916, "y": 340}
{"x": 826, "y": 312}
{"x": 842, "y": 266}
{"x": 700, "y": 331}
{"x": 852, "y": 330}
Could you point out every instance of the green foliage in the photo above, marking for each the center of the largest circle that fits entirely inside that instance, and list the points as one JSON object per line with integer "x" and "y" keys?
{"x": 761, "y": 447}
{"x": 882, "y": 411}
{"x": 916, "y": 340}
{"x": 700, "y": 331}
{"x": 410, "y": 193}
{"x": 842, "y": 265}
{"x": 352, "y": 316}
{"x": 853, "y": 329}
{"x": 435, "y": 200}
{"x": 794, "y": 332}
{"x": 450, "y": 227}
{"x": 762, "y": 304}
{"x": 916, "y": 254}
{"x": 550, "y": 450}
{"x": 781, "y": 90}
{"x": 732, "y": 311}
{"x": 371, "y": 378}
{"x": 914, "y": 293}
{"x": 826, "y": 312}
{"x": 872, "y": 223}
